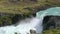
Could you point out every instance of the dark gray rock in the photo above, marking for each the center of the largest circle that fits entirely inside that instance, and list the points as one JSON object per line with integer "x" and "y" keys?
{"x": 51, "y": 22}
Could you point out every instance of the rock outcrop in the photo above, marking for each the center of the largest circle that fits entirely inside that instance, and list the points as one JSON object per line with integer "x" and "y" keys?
{"x": 51, "y": 22}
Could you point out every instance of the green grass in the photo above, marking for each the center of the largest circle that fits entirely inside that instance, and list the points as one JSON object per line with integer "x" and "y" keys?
{"x": 52, "y": 31}
{"x": 18, "y": 8}
{"x": 8, "y": 7}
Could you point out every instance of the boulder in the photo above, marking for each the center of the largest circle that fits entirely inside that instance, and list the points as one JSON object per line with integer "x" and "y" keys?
{"x": 51, "y": 22}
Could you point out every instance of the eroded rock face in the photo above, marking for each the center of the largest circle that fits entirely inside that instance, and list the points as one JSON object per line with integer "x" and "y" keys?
{"x": 51, "y": 22}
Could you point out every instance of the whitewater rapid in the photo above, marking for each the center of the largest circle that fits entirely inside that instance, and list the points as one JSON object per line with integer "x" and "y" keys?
{"x": 23, "y": 26}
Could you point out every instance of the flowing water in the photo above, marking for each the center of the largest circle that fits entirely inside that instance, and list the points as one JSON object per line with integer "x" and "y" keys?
{"x": 23, "y": 26}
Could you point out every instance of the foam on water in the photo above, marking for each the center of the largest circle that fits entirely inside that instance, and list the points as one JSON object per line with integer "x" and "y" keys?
{"x": 23, "y": 27}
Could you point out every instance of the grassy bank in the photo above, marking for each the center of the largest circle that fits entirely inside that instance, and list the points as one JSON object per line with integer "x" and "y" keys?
{"x": 18, "y": 7}
{"x": 52, "y": 31}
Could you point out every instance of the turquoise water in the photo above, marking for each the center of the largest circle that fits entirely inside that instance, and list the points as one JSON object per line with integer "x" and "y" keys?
{"x": 51, "y": 11}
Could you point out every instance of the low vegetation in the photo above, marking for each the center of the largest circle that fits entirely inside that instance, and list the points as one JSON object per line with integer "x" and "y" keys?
{"x": 17, "y": 6}
{"x": 52, "y": 31}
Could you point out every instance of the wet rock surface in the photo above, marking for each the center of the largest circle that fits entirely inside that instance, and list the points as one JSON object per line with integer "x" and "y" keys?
{"x": 51, "y": 22}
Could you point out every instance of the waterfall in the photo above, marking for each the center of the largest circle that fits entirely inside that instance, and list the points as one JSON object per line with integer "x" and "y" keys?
{"x": 33, "y": 23}
{"x": 24, "y": 26}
